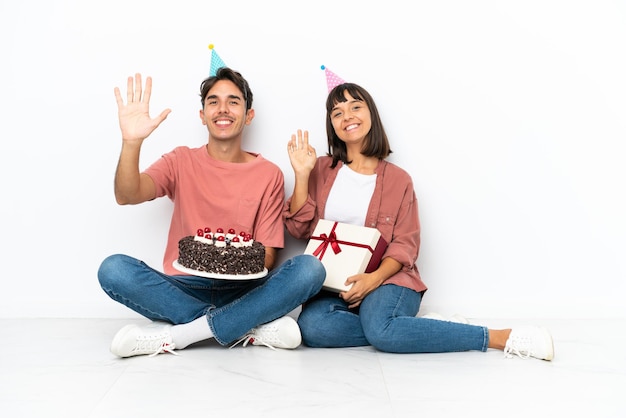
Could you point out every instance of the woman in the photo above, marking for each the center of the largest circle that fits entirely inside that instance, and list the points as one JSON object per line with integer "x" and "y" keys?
{"x": 355, "y": 184}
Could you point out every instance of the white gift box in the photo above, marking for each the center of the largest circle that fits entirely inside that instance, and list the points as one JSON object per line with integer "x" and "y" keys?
{"x": 345, "y": 250}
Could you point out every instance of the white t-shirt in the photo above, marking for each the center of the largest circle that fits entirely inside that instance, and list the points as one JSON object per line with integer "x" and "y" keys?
{"x": 350, "y": 196}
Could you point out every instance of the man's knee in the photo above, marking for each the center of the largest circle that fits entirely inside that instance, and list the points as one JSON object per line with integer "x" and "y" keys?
{"x": 110, "y": 270}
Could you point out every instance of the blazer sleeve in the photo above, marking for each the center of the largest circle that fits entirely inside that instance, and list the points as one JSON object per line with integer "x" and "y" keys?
{"x": 400, "y": 224}
{"x": 302, "y": 223}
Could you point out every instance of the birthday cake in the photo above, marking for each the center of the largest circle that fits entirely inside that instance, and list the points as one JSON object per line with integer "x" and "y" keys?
{"x": 221, "y": 253}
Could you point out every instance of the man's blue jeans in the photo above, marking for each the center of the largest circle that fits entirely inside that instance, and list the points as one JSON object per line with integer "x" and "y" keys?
{"x": 232, "y": 307}
{"x": 387, "y": 321}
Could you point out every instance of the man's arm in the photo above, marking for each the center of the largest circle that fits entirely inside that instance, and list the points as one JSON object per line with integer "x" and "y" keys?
{"x": 132, "y": 187}
{"x": 136, "y": 125}
{"x": 270, "y": 257}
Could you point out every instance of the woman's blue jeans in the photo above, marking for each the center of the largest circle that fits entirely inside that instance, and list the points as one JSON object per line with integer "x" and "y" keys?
{"x": 387, "y": 321}
{"x": 232, "y": 307}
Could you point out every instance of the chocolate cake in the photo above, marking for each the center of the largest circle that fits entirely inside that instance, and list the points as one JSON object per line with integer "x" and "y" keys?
{"x": 221, "y": 253}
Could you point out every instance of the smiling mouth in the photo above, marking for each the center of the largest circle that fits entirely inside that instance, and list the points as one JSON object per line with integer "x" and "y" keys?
{"x": 351, "y": 127}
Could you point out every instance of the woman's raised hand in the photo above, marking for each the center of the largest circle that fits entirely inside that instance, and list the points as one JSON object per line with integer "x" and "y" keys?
{"x": 301, "y": 154}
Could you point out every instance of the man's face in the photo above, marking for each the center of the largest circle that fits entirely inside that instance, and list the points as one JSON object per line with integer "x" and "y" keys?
{"x": 224, "y": 111}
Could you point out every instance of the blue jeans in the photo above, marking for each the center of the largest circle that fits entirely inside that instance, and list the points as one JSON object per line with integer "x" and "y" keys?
{"x": 387, "y": 321}
{"x": 232, "y": 307}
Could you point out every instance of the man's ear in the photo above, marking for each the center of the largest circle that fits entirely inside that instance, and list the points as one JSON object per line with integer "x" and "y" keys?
{"x": 249, "y": 116}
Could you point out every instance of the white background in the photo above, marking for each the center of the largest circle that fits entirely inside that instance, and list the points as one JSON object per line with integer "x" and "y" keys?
{"x": 509, "y": 115}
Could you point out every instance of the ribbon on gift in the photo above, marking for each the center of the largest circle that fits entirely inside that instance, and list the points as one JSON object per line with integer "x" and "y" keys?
{"x": 331, "y": 239}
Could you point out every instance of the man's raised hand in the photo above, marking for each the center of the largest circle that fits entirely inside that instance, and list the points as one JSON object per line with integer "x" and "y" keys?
{"x": 134, "y": 116}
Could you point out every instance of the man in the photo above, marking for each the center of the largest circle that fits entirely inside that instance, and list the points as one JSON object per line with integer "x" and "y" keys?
{"x": 218, "y": 183}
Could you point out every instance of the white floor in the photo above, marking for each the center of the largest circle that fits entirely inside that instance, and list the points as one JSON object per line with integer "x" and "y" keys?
{"x": 63, "y": 368}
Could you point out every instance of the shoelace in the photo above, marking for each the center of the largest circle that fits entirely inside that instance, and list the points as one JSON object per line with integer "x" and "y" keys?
{"x": 530, "y": 342}
{"x": 510, "y": 350}
{"x": 251, "y": 338}
{"x": 156, "y": 345}
{"x": 165, "y": 348}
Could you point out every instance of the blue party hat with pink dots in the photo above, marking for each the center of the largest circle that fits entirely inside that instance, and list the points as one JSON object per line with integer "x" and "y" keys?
{"x": 332, "y": 79}
{"x": 216, "y": 61}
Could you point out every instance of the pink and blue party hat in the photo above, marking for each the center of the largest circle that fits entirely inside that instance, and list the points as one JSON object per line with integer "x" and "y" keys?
{"x": 332, "y": 79}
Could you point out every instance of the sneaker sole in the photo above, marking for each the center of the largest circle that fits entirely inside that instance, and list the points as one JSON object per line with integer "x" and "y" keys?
{"x": 550, "y": 354}
{"x": 119, "y": 338}
{"x": 292, "y": 325}
{"x": 288, "y": 323}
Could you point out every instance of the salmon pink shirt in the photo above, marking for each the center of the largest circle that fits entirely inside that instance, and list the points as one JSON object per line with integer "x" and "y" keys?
{"x": 247, "y": 197}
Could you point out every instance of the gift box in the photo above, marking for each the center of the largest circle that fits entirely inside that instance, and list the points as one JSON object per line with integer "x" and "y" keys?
{"x": 345, "y": 250}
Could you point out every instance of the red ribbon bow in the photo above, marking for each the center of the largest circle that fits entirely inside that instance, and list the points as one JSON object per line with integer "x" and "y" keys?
{"x": 327, "y": 239}
{"x": 334, "y": 243}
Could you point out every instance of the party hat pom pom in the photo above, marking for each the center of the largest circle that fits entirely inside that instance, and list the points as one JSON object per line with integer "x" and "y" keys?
{"x": 210, "y": 46}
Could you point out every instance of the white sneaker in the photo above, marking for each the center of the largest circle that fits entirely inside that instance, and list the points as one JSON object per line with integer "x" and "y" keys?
{"x": 434, "y": 315}
{"x": 528, "y": 342}
{"x": 458, "y": 319}
{"x": 454, "y": 318}
{"x": 281, "y": 333}
{"x": 134, "y": 340}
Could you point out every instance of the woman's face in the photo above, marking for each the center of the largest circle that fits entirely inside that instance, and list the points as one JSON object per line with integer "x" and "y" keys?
{"x": 351, "y": 120}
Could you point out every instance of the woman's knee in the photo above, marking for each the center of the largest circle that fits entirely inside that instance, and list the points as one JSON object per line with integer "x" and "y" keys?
{"x": 379, "y": 340}
{"x": 312, "y": 338}
{"x": 308, "y": 317}
{"x": 310, "y": 321}
{"x": 377, "y": 330}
